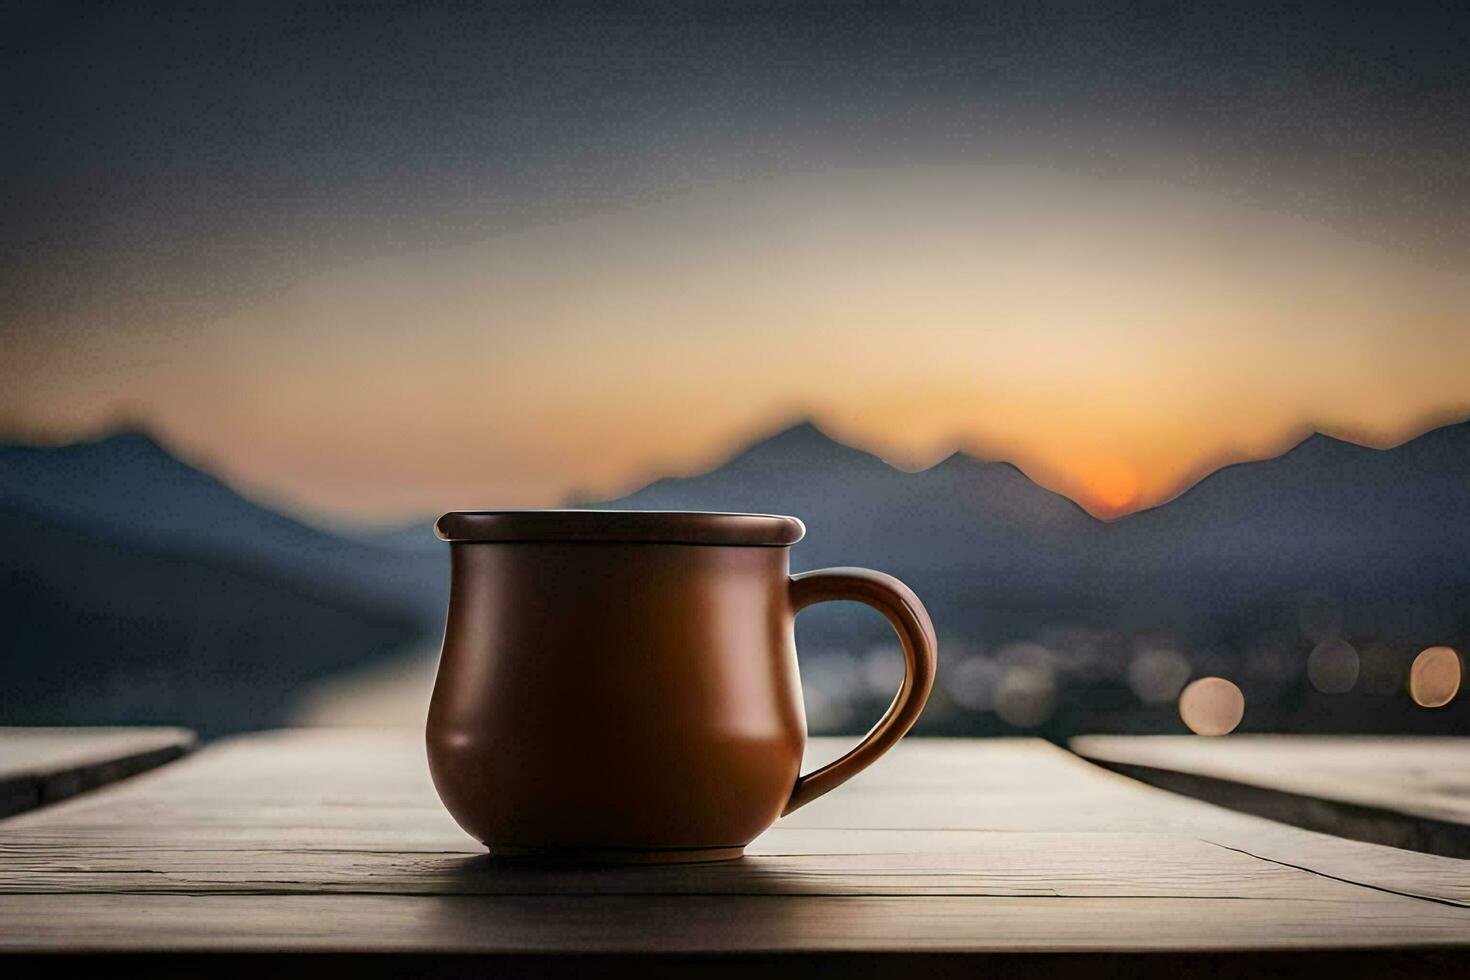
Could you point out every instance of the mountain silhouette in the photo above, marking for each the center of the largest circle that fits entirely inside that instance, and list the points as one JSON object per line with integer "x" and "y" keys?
{"x": 130, "y": 489}
{"x": 1386, "y": 532}
{"x": 134, "y": 587}
{"x": 1324, "y": 510}
{"x": 961, "y": 517}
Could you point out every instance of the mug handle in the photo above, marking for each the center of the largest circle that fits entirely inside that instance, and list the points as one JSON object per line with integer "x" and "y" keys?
{"x": 902, "y": 609}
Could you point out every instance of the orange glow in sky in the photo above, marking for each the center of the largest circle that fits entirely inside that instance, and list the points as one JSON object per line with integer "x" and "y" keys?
{"x": 1114, "y": 339}
{"x": 1112, "y": 487}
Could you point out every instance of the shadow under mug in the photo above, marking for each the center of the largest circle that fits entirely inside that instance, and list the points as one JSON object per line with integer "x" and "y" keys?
{"x": 622, "y": 686}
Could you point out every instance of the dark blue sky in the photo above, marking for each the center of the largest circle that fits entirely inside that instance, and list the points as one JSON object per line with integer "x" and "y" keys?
{"x": 198, "y": 154}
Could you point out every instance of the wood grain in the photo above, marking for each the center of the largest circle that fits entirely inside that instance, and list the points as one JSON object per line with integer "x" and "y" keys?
{"x": 1407, "y": 791}
{"x": 333, "y": 842}
{"x": 45, "y": 765}
{"x": 704, "y": 923}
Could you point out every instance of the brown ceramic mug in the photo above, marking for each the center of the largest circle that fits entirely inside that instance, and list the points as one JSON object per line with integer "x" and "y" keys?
{"x": 622, "y": 685}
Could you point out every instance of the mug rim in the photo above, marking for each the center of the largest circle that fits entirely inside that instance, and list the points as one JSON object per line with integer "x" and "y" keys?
{"x": 696, "y": 527}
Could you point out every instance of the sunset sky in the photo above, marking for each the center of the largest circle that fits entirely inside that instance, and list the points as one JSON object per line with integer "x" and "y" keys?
{"x": 494, "y": 258}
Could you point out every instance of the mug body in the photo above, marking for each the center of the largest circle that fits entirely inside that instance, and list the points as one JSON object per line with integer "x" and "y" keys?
{"x": 607, "y": 697}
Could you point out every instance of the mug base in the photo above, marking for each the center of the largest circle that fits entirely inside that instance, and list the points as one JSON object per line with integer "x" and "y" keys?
{"x": 613, "y": 855}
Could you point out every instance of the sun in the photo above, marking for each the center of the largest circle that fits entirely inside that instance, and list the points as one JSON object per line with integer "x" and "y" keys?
{"x": 1113, "y": 487}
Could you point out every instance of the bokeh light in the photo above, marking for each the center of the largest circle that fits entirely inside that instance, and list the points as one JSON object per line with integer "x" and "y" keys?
{"x": 1332, "y": 667}
{"x": 972, "y": 682}
{"x": 1211, "y": 706}
{"x": 1026, "y": 694}
{"x": 883, "y": 670}
{"x": 1434, "y": 678}
{"x": 830, "y": 682}
{"x": 1157, "y": 675}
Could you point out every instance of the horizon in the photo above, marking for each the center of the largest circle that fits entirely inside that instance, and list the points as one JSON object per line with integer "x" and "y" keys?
{"x": 346, "y": 524}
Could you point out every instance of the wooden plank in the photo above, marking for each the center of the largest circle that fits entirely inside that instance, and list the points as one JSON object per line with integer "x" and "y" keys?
{"x": 881, "y": 863}
{"x": 333, "y": 841}
{"x": 1407, "y": 791}
{"x": 45, "y": 765}
{"x": 1038, "y": 787}
{"x": 712, "y": 924}
{"x": 951, "y": 964}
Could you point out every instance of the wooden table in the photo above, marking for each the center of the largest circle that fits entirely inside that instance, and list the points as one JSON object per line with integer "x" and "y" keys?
{"x": 1406, "y": 791}
{"x": 946, "y": 857}
{"x": 44, "y": 765}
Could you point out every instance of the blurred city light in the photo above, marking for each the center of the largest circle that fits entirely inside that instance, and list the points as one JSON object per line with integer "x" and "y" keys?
{"x": 972, "y": 683}
{"x": 829, "y": 686}
{"x": 1157, "y": 675}
{"x": 1211, "y": 706}
{"x": 1434, "y": 679}
{"x": 1026, "y": 694}
{"x": 1332, "y": 667}
{"x": 883, "y": 670}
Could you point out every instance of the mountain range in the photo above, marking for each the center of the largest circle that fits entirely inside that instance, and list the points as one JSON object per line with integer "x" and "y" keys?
{"x": 137, "y": 587}
{"x": 958, "y": 516}
{"x": 1326, "y": 516}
